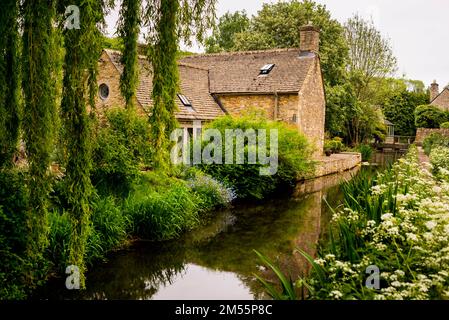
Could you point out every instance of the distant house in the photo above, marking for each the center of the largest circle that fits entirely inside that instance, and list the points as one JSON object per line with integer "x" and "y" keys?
{"x": 389, "y": 138}
{"x": 437, "y": 98}
{"x": 286, "y": 83}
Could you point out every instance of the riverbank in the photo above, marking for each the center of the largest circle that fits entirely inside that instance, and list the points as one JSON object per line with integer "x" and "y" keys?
{"x": 394, "y": 225}
{"x": 217, "y": 259}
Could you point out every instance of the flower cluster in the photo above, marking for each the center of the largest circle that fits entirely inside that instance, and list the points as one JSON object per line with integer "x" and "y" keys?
{"x": 401, "y": 226}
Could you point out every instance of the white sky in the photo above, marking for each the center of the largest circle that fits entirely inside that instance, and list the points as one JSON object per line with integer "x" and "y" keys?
{"x": 418, "y": 29}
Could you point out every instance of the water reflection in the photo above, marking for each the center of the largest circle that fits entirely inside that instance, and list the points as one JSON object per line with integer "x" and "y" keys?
{"x": 217, "y": 261}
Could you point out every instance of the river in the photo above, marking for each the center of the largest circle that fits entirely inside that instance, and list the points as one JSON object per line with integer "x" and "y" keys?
{"x": 217, "y": 260}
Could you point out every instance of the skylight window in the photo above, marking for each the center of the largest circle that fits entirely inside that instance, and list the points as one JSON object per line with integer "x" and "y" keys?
{"x": 266, "y": 69}
{"x": 186, "y": 102}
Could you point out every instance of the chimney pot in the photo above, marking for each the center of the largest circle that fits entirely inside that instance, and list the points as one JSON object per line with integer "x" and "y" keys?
{"x": 309, "y": 39}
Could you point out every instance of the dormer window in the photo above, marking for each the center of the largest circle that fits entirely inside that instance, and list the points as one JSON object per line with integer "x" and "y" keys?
{"x": 266, "y": 69}
{"x": 186, "y": 102}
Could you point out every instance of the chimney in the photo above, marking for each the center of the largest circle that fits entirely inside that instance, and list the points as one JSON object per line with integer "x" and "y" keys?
{"x": 434, "y": 90}
{"x": 309, "y": 39}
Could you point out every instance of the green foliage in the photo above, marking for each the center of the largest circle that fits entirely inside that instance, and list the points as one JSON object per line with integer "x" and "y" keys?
{"x": 428, "y": 116}
{"x": 229, "y": 24}
{"x": 366, "y": 150}
{"x": 128, "y": 29}
{"x": 211, "y": 192}
{"x": 434, "y": 140}
{"x": 13, "y": 235}
{"x": 163, "y": 216}
{"x": 122, "y": 148}
{"x": 170, "y": 21}
{"x": 9, "y": 81}
{"x": 334, "y": 145}
{"x": 245, "y": 179}
{"x": 83, "y": 49}
{"x": 370, "y": 54}
{"x": 38, "y": 120}
{"x": 400, "y": 110}
{"x": 277, "y": 26}
{"x": 288, "y": 287}
{"x": 439, "y": 158}
{"x": 444, "y": 125}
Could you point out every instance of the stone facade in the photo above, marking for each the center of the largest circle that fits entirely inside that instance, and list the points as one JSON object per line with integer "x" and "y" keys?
{"x": 109, "y": 75}
{"x": 442, "y": 100}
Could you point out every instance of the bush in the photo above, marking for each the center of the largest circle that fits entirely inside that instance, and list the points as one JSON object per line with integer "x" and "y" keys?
{"x": 444, "y": 125}
{"x": 13, "y": 235}
{"x": 211, "y": 192}
{"x": 366, "y": 151}
{"x": 434, "y": 140}
{"x": 428, "y": 116}
{"x": 335, "y": 145}
{"x": 293, "y": 158}
{"x": 439, "y": 158}
{"x": 122, "y": 147}
{"x": 164, "y": 215}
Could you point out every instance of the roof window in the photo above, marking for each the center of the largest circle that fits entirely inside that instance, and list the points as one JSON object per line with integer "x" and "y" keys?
{"x": 266, "y": 69}
{"x": 186, "y": 102}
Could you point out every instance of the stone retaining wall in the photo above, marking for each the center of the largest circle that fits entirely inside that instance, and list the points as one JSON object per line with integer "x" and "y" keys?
{"x": 337, "y": 163}
{"x": 422, "y": 133}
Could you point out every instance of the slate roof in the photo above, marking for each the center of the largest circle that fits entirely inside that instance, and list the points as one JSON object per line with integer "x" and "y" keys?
{"x": 202, "y": 76}
{"x": 238, "y": 72}
{"x": 194, "y": 85}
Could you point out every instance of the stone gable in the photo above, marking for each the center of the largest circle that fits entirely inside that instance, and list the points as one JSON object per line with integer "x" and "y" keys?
{"x": 442, "y": 100}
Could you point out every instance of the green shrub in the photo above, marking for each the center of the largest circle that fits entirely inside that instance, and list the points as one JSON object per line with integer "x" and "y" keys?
{"x": 428, "y": 116}
{"x": 110, "y": 228}
{"x": 211, "y": 192}
{"x": 58, "y": 237}
{"x": 163, "y": 215}
{"x": 335, "y": 145}
{"x": 13, "y": 235}
{"x": 445, "y": 125}
{"x": 366, "y": 151}
{"x": 122, "y": 147}
{"x": 294, "y": 160}
{"x": 439, "y": 158}
{"x": 434, "y": 140}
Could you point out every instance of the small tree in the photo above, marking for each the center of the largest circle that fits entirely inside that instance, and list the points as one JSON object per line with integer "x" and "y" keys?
{"x": 428, "y": 116}
{"x": 370, "y": 54}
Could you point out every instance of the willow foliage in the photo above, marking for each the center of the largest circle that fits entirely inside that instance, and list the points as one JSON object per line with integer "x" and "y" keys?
{"x": 128, "y": 29}
{"x": 38, "y": 18}
{"x": 170, "y": 21}
{"x": 9, "y": 81}
{"x": 83, "y": 49}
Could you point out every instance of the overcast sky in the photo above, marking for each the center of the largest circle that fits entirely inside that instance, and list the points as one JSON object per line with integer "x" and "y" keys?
{"x": 418, "y": 29}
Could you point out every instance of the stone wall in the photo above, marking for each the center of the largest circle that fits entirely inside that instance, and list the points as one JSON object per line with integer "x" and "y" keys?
{"x": 337, "y": 163}
{"x": 422, "y": 133}
{"x": 312, "y": 108}
{"x": 109, "y": 75}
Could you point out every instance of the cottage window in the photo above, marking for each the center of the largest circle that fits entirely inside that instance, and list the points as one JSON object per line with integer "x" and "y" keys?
{"x": 103, "y": 91}
{"x": 295, "y": 118}
{"x": 266, "y": 69}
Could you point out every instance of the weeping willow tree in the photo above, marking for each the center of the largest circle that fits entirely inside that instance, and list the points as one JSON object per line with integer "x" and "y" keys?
{"x": 83, "y": 49}
{"x": 9, "y": 81}
{"x": 169, "y": 22}
{"x": 39, "y": 108}
{"x": 128, "y": 30}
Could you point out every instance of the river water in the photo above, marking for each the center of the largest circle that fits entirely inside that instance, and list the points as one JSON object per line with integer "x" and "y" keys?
{"x": 217, "y": 260}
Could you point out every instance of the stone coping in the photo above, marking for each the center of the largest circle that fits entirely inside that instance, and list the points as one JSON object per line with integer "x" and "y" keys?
{"x": 336, "y": 163}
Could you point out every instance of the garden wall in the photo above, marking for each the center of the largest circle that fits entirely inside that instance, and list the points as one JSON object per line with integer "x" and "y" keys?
{"x": 422, "y": 133}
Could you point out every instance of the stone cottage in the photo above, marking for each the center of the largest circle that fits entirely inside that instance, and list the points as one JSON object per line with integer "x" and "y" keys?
{"x": 437, "y": 98}
{"x": 286, "y": 83}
